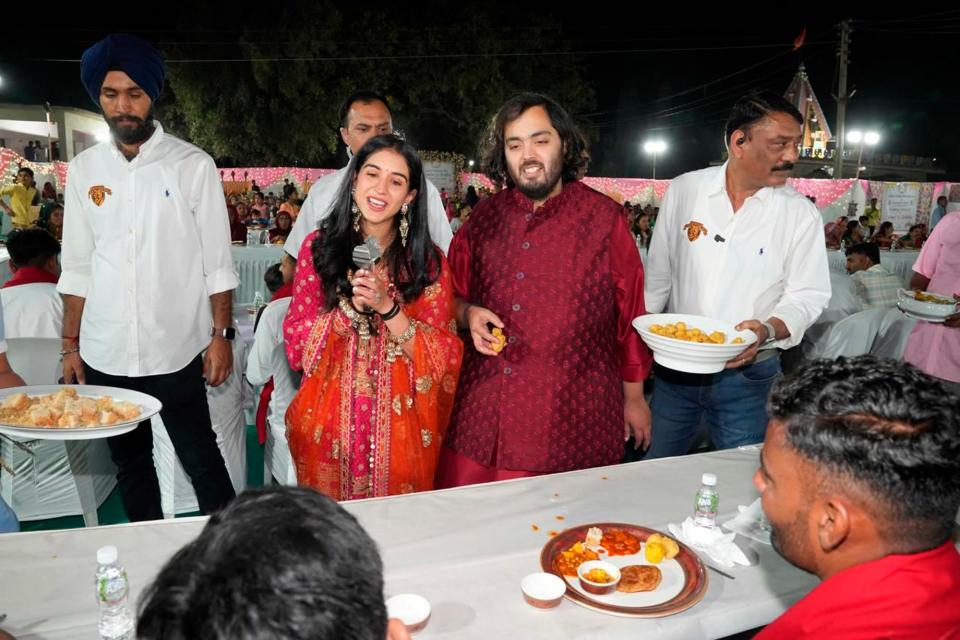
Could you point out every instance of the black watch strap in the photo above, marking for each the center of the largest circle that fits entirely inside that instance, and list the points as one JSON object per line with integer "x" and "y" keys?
{"x": 227, "y": 333}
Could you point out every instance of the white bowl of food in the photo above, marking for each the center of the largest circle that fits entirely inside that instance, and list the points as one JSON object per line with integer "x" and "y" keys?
{"x": 927, "y": 304}
{"x": 694, "y": 344}
{"x": 598, "y": 577}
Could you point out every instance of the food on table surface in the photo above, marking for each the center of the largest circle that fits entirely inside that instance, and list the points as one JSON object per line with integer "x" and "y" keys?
{"x": 599, "y": 576}
{"x": 636, "y": 578}
{"x": 680, "y": 331}
{"x": 923, "y": 296}
{"x": 670, "y": 546}
{"x": 65, "y": 408}
{"x": 620, "y": 543}
{"x": 566, "y": 562}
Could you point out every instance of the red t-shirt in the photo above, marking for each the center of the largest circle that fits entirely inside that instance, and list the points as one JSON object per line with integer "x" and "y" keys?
{"x": 896, "y": 597}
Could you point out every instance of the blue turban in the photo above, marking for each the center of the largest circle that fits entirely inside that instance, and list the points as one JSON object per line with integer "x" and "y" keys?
{"x": 122, "y": 52}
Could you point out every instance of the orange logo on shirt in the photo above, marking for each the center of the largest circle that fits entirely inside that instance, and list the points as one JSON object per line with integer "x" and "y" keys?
{"x": 694, "y": 230}
{"x": 99, "y": 193}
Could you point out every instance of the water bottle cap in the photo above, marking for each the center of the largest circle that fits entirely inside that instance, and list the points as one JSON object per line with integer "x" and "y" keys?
{"x": 709, "y": 479}
{"x": 107, "y": 555}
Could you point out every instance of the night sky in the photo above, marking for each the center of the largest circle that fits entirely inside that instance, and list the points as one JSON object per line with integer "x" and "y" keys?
{"x": 670, "y": 75}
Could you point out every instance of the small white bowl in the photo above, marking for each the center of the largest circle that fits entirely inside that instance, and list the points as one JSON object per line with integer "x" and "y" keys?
{"x": 598, "y": 588}
{"x": 543, "y": 590}
{"x": 692, "y": 357}
{"x": 929, "y": 309}
{"x": 412, "y": 610}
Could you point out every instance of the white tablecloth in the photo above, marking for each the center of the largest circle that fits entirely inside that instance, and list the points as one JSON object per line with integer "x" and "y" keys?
{"x": 252, "y": 263}
{"x": 465, "y": 550}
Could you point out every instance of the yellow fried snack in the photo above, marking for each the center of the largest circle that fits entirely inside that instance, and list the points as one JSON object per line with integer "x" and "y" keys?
{"x": 501, "y": 340}
{"x": 654, "y": 552}
{"x": 681, "y": 331}
{"x": 669, "y": 544}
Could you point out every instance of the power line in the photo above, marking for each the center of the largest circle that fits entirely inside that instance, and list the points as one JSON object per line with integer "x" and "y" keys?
{"x": 442, "y": 56}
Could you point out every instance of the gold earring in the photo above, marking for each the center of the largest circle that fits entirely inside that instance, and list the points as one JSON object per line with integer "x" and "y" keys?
{"x": 404, "y": 225}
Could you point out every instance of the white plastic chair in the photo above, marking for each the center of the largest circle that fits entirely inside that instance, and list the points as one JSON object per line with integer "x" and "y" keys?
{"x": 854, "y": 336}
{"x": 892, "y": 336}
{"x": 60, "y": 478}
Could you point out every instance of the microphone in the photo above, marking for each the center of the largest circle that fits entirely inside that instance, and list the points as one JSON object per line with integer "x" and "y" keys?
{"x": 719, "y": 238}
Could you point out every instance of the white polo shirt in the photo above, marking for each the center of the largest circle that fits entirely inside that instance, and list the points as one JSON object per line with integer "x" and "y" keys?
{"x": 767, "y": 259}
{"x": 146, "y": 242}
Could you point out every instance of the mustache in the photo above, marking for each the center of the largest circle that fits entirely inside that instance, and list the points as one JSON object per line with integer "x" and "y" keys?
{"x": 133, "y": 119}
{"x": 786, "y": 166}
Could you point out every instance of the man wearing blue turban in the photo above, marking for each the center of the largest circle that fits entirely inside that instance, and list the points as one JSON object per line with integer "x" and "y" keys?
{"x": 148, "y": 275}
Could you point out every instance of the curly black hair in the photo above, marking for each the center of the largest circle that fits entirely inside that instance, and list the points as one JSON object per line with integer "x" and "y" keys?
{"x": 886, "y": 426}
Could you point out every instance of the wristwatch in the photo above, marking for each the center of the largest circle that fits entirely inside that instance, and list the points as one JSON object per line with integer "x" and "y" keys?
{"x": 227, "y": 333}
{"x": 771, "y": 333}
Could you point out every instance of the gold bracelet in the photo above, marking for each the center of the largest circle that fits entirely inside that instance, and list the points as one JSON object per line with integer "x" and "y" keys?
{"x": 395, "y": 348}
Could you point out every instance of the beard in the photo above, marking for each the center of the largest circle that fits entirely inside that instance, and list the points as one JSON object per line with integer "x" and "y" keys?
{"x": 538, "y": 189}
{"x": 790, "y": 544}
{"x": 124, "y": 133}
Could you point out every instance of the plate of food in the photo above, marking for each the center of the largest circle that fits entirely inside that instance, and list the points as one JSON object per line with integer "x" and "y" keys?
{"x": 655, "y": 575}
{"x": 72, "y": 412}
{"x": 695, "y": 344}
{"x": 925, "y": 305}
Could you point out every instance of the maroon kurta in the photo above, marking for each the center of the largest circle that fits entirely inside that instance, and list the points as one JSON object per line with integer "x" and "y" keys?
{"x": 567, "y": 281}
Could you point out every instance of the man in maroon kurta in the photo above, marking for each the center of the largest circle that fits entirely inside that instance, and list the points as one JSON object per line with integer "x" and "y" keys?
{"x": 860, "y": 480}
{"x": 552, "y": 264}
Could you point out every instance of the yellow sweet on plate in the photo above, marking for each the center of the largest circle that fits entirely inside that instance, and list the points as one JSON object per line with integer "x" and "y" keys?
{"x": 671, "y": 548}
{"x": 654, "y": 552}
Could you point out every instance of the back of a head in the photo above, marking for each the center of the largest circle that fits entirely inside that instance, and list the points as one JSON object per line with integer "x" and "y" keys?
{"x": 32, "y": 247}
{"x": 755, "y": 106}
{"x": 886, "y": 434}
{"x": 868, "y": 249}
{"x": 273, "y": 278}
{"x": 283, "y": 562}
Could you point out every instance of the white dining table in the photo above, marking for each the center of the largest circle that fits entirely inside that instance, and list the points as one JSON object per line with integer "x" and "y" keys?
{"x": 465, "y": 550}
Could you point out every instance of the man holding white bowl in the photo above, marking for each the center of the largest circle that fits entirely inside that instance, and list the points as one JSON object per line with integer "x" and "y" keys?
{"x": 735, "y": 243}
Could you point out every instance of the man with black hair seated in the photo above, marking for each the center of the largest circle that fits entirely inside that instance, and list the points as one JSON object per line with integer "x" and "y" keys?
{"x": 876, "y": 287}
{"x": 32, "y": 308}
{"x": 860, "y": 480}
{"x": 284, "y": 562}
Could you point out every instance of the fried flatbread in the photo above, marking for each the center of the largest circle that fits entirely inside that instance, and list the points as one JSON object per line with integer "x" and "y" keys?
{"x": 639, "y": 577}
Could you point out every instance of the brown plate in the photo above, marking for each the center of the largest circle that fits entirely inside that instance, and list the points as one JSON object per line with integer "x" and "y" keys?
{"x": 689, "y": 576}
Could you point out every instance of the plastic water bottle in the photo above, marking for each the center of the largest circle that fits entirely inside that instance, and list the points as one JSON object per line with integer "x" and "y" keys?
{"x": 258, "y": 299}
{"x": 116, "y": 623}
{"x": 707, "y": 502}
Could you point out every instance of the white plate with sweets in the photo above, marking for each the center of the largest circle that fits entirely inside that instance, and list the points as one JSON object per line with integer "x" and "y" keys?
{"x": 72, "y": 412}
{"x": 694, "y": 344}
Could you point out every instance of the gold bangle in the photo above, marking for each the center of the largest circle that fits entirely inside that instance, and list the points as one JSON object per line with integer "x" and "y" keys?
{"x": 395, "y": 348}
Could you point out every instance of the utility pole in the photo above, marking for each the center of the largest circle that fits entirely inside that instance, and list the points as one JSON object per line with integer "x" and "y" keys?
{"x": 842, "y": 97}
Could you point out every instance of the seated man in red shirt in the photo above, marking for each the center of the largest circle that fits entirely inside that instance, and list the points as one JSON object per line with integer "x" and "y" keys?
{"x": 860, "y": 480}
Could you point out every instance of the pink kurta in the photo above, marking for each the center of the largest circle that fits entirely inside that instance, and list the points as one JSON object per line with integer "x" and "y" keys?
{"x": 934, "y": 348}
